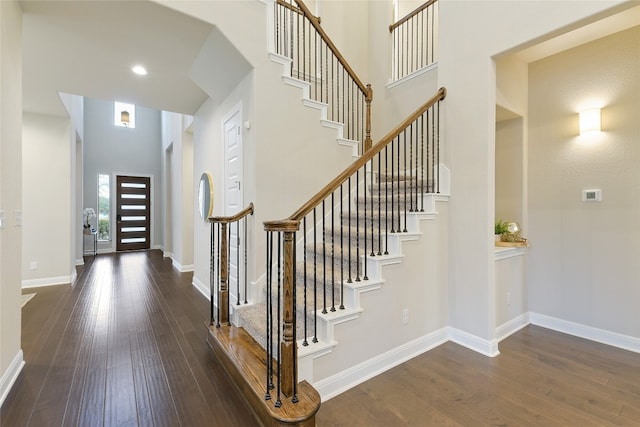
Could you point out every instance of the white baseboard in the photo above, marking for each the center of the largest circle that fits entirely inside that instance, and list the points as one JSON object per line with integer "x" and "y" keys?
{"x": 474, "y": 342}
{"x": 201, "y": 287}
{"x": 74, "y": 276}
{"x": 79, "y": 262}
{"x": 167, "y": 254}
{"x": 614, "y": 339}
{"x": 338, "y": 383}
{"x": 182, "y": 268}
{"x": 47, "y": 281}
{"x": 10, "y": 375}
{"x": 512, "y": 326}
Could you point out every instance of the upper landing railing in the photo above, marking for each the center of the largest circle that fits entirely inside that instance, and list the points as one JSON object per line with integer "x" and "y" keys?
{"x": 414, "y": 40}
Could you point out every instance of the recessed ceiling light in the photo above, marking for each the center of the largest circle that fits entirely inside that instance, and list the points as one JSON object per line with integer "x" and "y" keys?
{"x": 139, "y": 70}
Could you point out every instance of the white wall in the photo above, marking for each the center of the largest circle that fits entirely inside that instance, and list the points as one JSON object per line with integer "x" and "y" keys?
{"x": 46, "y": 184}
{"x": 585, "y": 257}
{"x": 113, "y": 149}
{"x": 178, "y": 201}
{"x": 209, "y": 157}
{"x": 471, "y": 33}
{"x": 11, "y": 359}
{"x": 510, "y": 160}
{"x": 74, "y": 105}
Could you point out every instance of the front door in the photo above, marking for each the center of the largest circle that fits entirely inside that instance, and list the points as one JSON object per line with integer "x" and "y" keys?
{"x": 133, "y": 213}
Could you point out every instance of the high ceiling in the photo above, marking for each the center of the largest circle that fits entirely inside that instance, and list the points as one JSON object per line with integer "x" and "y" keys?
{"x": 87, "y": 47}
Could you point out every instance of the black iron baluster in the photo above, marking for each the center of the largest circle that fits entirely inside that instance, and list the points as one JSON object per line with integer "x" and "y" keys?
{"x": 432, "y": 34}
{"x": 428, "y": 164}
{"x": 300, "y": 50}
{"x": 228, "y": 273}
{"x": 411, "y": 51}
{"x": 357, "y": 226}
{"x": 315, "y": 278}
{"x": 278, "y": 324}
{"x": 379, "y": 155}
{"x": 437, "y": 143}
{"x": 404, "y": 155}
{"x": 304, "y": 272}
{"x": 365, "y": 219}
{"x": 411, "y": 190}
{"x": 246, "y": 277}
{"x": 333, "y": 265}
{"x": 341, "y": 251}
{"x": 393, "y": 179}
{"x": 324, "y": 264}
{"x": 211, "y": 272}
{"x": 422, "y": 165}
{"x": 386, "y": 200}
{"x": 291, "y": 50}
{"x": 269, "y": 342}
{"x": 218, "y": 284}
{"x": 333, "y": 101}
{"x": 349, "y": 227}
{"x": 370, "y": 189}
{"x": 304, "y": 50}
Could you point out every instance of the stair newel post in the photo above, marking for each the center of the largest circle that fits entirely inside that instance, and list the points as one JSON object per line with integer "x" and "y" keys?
{"x": 224, "y": 277}
{"x": 368, "y": 98}
{"x": 289, "y": 350}
{"x": 211, "y": 271}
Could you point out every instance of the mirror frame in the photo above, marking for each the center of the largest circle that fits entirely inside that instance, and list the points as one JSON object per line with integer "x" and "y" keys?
{"x": 205, "y": 180}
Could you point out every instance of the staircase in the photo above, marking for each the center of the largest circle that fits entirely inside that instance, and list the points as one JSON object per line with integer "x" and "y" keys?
{"x": 334, "y": 269}
{"x": 333, "y": 249}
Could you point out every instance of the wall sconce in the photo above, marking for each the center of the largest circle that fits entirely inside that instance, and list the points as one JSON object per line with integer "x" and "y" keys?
{"x": 124, "y": 117}
{"x": 590, "y": 120}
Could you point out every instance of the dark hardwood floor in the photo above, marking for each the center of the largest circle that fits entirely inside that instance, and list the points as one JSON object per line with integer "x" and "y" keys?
{"x": 126, "y": 346}
{"x": 541, "y": 378}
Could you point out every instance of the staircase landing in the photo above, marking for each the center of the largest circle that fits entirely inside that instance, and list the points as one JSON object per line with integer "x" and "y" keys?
{"x": 244, "y": 361}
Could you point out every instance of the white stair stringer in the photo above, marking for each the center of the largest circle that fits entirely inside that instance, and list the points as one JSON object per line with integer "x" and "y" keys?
{"x": 353, "y": 291}
{"x": 311, "y": 103}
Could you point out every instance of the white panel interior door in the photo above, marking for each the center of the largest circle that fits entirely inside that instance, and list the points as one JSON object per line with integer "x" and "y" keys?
{"x": 233, "y": 190}
{"x": 233, "y": 163}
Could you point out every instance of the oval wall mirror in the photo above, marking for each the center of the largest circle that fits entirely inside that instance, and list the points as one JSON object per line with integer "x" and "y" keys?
{"x": 205, "y": 196}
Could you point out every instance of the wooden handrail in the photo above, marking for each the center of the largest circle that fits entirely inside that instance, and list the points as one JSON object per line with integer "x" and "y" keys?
{"x": 294, "y": 220}
{"x": 411, "y": 15}
{"x": 316, "y": 24}
{"x": 236, "y": 217}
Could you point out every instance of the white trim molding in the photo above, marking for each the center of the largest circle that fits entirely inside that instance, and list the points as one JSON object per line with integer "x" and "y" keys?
{"x": 474, "y": 342}
{"x": 614, "y": 339}
{"x": 47, "y": 281}
{"x": 201, "y": 287}
{"x": 512, "y": 326}
{"x": 182, "y": 268}
{"x": 343, "y": 381}
{"x": 393, "y": 83}
{"x": 11, "y": 375}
